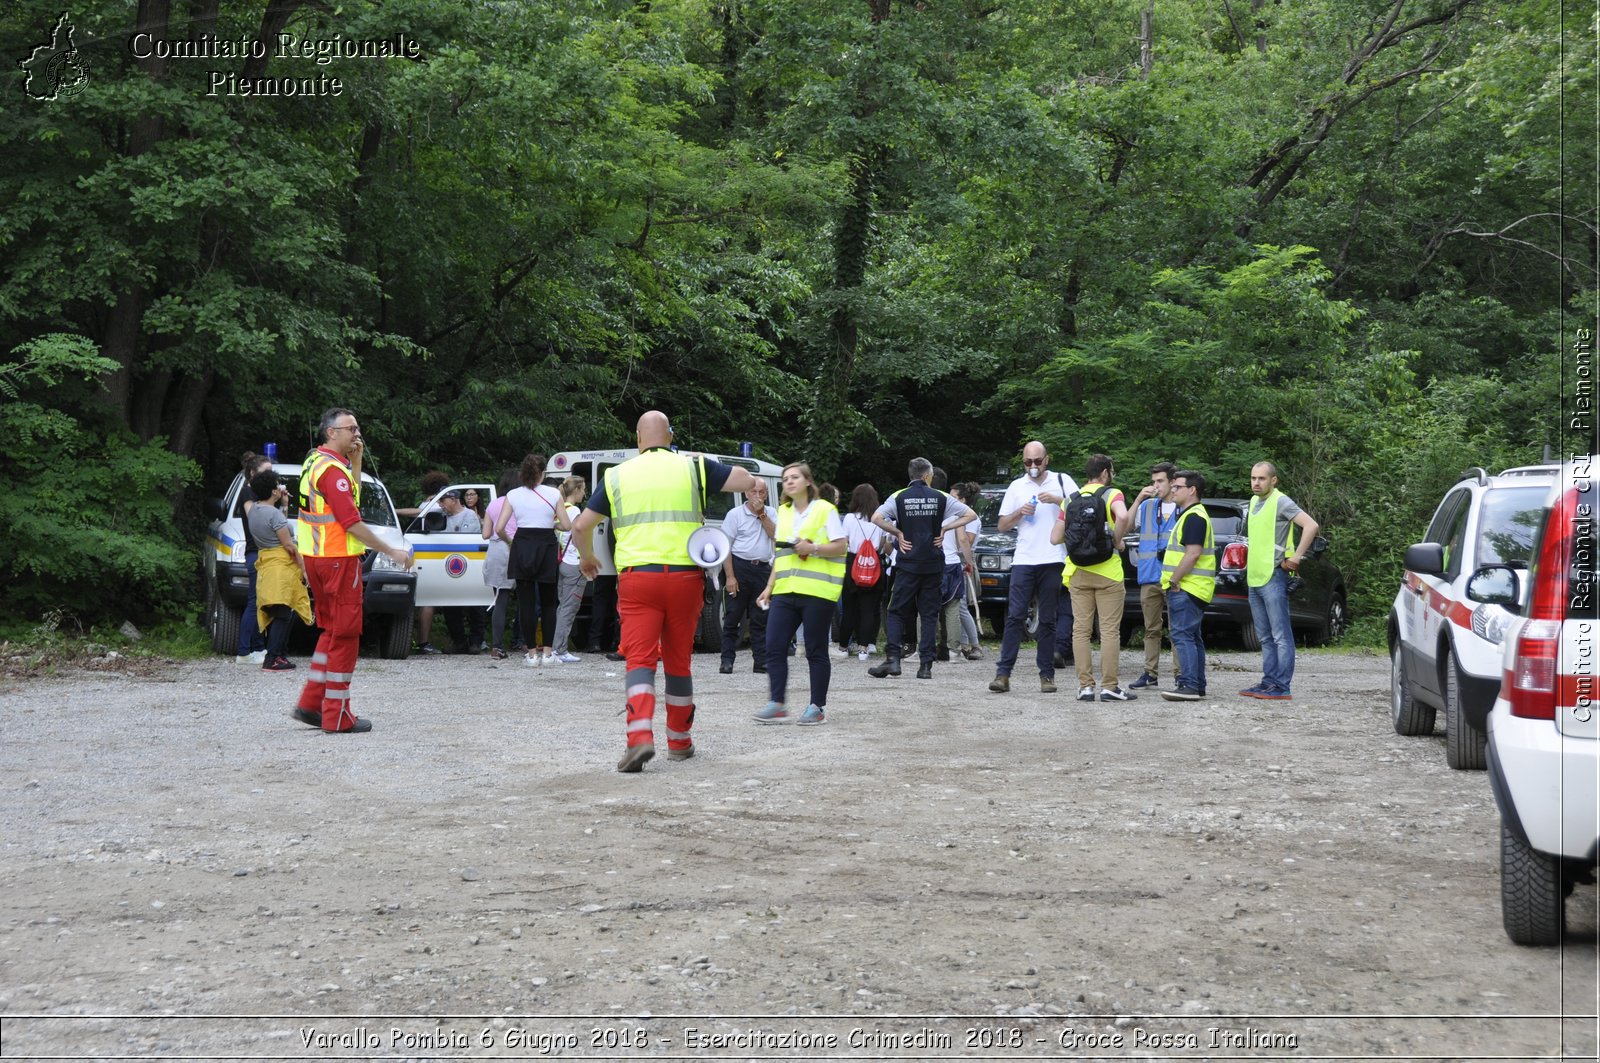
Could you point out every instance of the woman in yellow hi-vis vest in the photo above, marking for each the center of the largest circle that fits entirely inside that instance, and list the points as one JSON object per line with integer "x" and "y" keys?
{"x": 807, "y": 579}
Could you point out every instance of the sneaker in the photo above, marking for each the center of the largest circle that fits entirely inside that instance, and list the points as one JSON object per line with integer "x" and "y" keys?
{"x": 569, "y": 658}
{"x": 862, "y": 656}
{"x": 772, "y": 712}
{"x": 972, "y": 653}
{"x": 1148, "y": 679}
{"x": 1182, "y": 694}
{"x": 1000, "y": 684}
{"x": 1274, "y": 694}
{"x": 838, "y": 651}
{"x": 1086, "y": 693}
{"x": 429, "y": 649}
{"x": 1115, "y": 694}
{"x": 498, "y": 654}
{"x": 278, "y": 664}
{"x": 1047, "y": 684}
{"x": 812, "y": 716}
{"x": 634, "y": 757}
{"x": 258, "y": 657}
{"x": 534, "y": 660}
{"x": 615, "y": 656}
{"x": 872, "y": 649}
{"x": 1253, "y": 692}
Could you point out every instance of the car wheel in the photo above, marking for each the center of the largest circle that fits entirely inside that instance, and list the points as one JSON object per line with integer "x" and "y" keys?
{"x": 1247, "y": 635}
{"x": 1031, "y": 627}
{"x": 396, "y": 642}
{"x": 1532, "y": 903}
{"x": 225, "y": 626}
{"x": 709, "y": 639}
{"x": 1334, "y": 621}
{"x": 1411, "y": 717}
{"x": 1464, "y": 744}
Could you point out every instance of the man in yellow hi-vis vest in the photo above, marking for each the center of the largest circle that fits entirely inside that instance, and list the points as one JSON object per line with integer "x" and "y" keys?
{"x": 331, "y": 538}
{"x": 1189, "y": 575}
{"x": 655, "y": 500}
{"x": 1274, "y": 556}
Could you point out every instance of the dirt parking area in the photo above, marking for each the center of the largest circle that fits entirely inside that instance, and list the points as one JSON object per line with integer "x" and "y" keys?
{"x": 936, "y": 872}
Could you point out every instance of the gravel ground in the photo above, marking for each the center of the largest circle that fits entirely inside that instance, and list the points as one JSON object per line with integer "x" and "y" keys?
{"x": 937, "y": 871}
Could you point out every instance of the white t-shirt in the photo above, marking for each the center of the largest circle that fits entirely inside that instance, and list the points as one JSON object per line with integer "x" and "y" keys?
{"x": 860, "y": 531}
{"x": 569, "y": 549}
{"x": 1033, "y": 533}
{"x": 832, "y": 529}
{"x": 952, "y": 551}
{"x": 534, "y": 507}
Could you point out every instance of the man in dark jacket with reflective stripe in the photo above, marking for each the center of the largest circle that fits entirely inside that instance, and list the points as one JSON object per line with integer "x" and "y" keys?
{"x": 917, "y": 516}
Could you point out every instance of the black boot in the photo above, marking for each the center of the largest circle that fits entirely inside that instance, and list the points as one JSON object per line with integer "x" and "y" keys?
{"x": 890, "y": 666}
{"x": 925, "y": 672}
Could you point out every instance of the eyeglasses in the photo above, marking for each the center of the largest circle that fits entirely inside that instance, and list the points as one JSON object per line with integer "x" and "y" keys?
{"x": 1031, "y": 462}
{"x": 345, "y": 428}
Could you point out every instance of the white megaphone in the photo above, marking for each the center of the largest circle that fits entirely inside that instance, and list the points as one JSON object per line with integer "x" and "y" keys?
{"x": 709, "y": 547}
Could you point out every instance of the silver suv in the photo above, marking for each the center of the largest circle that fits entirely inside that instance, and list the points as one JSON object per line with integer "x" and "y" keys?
{"x": 1444, "y": 649}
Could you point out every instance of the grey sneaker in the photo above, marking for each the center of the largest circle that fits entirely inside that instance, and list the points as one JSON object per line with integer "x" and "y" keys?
{"x": 1115, "y": 694}
{"x": 772, "y": 712}
{"x": 1086, "y": 693}
{"x": 1182, "y": 694}
{"x": 812, "y": 716}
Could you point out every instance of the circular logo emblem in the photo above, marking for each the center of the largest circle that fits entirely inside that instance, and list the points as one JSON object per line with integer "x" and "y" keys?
{"x": 455, "y": 566}
{"x": 561, "y": 461}
{"x": 342, "y": 485}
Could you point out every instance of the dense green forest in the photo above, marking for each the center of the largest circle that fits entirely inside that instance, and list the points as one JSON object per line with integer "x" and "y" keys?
{"x": 1354, "y": 236}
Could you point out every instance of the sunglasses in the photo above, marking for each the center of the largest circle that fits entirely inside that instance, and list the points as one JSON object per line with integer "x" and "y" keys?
{"x": 1031, "y": 462}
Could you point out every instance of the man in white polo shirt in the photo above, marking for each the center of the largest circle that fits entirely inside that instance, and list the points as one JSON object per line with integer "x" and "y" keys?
{"x": 749, "y": 529}
{"x": 1031, "y": 507}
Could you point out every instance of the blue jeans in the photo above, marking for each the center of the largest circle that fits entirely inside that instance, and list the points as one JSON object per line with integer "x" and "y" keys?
{"x": 1026, "y": 581}
{"x": 788, "y": 614}
{"x": 250, "y": 640}
{"x": 1184, "y": 611}
{"x": 1269, "y": 608}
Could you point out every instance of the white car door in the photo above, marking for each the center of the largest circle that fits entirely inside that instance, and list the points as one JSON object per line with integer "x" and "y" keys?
{"x": 449, "y": 564}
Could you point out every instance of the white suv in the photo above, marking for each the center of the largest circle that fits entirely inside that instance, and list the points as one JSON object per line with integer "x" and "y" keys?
{"x": 389, "y": 593}
{"x": 1543, "y": 752}
{"x": 1444, "y": 649}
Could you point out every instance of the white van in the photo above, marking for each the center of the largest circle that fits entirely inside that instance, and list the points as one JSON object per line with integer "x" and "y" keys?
{"x": 592, "y": 465}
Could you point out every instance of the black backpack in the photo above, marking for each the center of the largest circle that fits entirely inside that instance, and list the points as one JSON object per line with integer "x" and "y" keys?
{"x": 1088, "y": 541}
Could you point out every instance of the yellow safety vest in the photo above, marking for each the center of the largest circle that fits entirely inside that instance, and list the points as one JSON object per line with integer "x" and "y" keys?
{"x": 1261, "y": 531}
{"x": 656, "y": 501}
{"x": 317, "y": 531}
{"x": 1201, "y": 581}
{"x": 821, "y": 577}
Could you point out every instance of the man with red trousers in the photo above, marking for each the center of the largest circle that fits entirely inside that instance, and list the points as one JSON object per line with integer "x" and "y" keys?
{"x": 332, "y": 537}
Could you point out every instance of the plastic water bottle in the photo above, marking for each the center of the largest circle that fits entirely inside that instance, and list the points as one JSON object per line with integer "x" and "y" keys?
{"x": 270, "y": 452}
{"x": 1035, "y": 502}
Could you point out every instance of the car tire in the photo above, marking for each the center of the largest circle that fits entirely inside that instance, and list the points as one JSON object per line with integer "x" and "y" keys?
{"x": 395, "y": 643}
{"x": 1030, "y": 629}
{"x": 1465, "y": 747}
{"x": 1410, "y": 716}
{"x": 1532, "y": 899}
{"x": 1334, "y": 621}
{"x": 709, "y": 638}
{"x": 996, "y": 616}
{"x": 224, "y": 625}
{"x": 1247, "y": 635}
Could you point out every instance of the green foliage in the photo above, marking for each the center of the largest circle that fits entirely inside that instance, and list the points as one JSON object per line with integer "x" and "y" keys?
{"x": 86, "y": 520}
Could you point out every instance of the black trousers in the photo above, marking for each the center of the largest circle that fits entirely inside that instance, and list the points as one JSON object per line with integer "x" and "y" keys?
{"x": 915, "y": 593}
{"x": 860, "y": 604}
{"x": 604, "y": 626}
{"x": 752, "y": 577}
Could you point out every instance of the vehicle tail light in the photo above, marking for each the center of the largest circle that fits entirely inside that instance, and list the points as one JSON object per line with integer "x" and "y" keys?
{"x": 1235, "y": 556}
{"x": 1532, "y": 682}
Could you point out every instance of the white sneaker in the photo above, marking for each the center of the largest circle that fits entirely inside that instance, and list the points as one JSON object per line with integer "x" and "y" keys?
{"x": 533, "y": 660}
{"x": 862, "y": 655}
{"x": 569, "y": 658}
{"x": 872, "y": 649}
{"x": 258, "y": 658}
{"x": 838, "y": 651}
{"x": 1086, "y": 693}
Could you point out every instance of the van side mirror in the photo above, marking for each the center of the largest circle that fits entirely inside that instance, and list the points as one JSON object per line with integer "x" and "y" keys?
{"x": 433, "y": 521}
{"x": 1494, "y": 585}
{"x": 1426, "y": 559}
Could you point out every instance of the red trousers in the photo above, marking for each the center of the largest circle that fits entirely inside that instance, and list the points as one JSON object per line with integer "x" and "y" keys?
{"x": 659, "y": 612}
{"x": 337, "y": 590}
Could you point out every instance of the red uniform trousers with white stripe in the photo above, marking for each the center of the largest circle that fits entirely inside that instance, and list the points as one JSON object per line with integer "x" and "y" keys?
{"x": 337, "y": 591}
{"x": 659, "y": 612}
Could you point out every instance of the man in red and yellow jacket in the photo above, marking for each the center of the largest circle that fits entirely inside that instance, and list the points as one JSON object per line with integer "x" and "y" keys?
{"x": 332, "y": 537}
